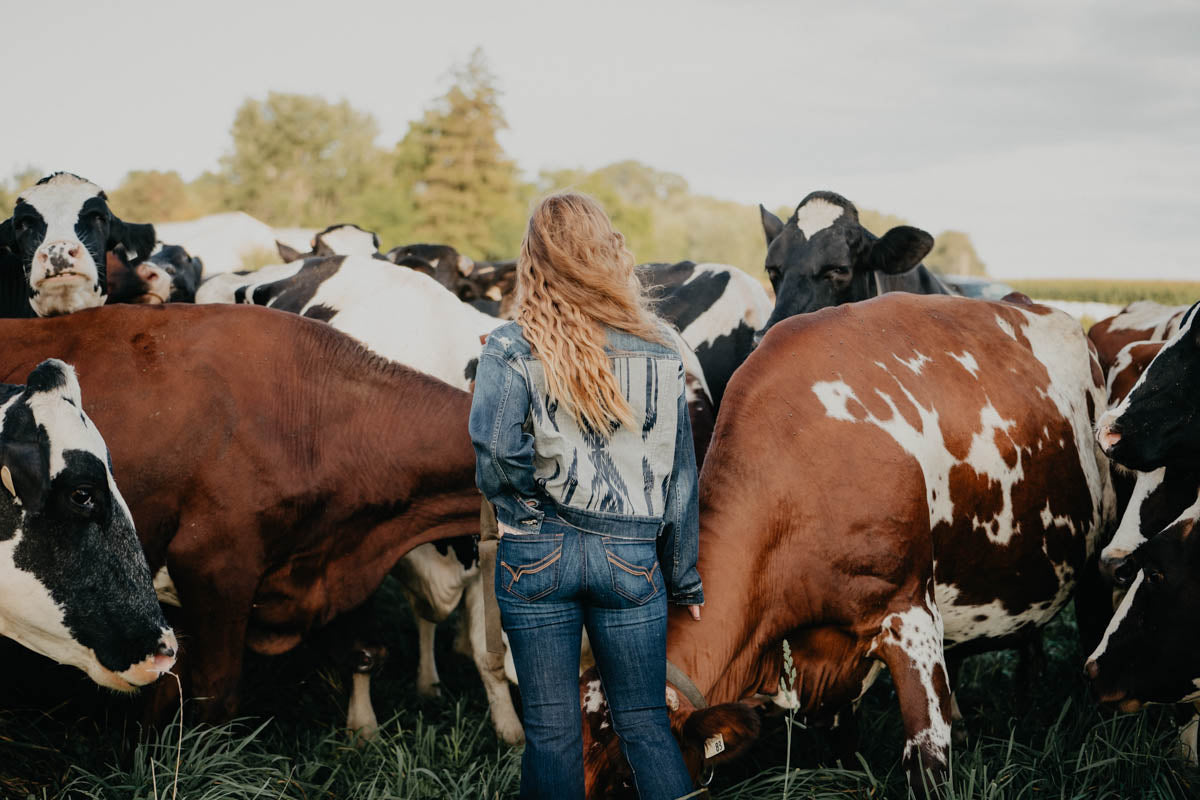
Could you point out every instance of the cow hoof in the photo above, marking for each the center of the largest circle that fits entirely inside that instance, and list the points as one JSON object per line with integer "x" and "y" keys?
{"x": 364, "y": 733}
{"x": 431, "y": 691}
{"x": 510, "y": 732}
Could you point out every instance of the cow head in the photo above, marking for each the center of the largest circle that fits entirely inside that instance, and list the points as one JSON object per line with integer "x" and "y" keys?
{"x": 1150, "y": 652}
{"x": 1157, "y": 499}
{"x": 491, "y": 288}
{"x": 61, "y": 229}
{"x": 449, "y": 266}
{"x": 169, "y": 276}
{"x": 74, "y": 584}
{"x": 1156, "y": 424}
{"x": 823, "y": 257}
{"x": 606, "y": 772}
{"x": 343, "y": 239}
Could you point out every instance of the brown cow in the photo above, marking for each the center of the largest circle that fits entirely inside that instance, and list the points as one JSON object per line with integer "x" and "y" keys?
{"x": 277, "y": 467}
{"x": 887, "y": 480}
{"x": 1140, "y": 321}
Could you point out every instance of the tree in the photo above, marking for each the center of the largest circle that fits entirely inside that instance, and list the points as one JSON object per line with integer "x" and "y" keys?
{"x": 296, "y": 157}
{"x": 18, "y": 182}
{"x": 954, "y": 254}
{"x": 464, "y": 189}
{"x": 150, "y": 195}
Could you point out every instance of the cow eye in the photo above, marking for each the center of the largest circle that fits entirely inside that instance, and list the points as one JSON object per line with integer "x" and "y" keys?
{"x": 773, "y": 273}
{"x": 837, "y": 272}
{"x": 21, "y": 224}
{"x": 83, "y": 498}
{"x": 1155, "y": 577}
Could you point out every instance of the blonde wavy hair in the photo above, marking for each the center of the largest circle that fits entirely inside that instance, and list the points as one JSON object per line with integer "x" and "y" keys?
{"x": 574, "y": 277}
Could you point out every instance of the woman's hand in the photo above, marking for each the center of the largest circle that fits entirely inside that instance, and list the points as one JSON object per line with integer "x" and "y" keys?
{"x": 695, "y": 612}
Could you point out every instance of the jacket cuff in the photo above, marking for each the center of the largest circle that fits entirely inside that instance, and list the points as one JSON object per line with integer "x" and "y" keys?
{"x": 693, "y": 597}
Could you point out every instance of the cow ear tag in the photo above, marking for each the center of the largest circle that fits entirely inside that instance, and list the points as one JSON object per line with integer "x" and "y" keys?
{"x": 714, "y": 745}
{"x": 6, "y": 478}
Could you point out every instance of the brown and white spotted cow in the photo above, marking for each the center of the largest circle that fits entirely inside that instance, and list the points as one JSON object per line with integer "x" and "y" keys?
{"x": 889, "y": 482}
{"x": 1140, "y": 321}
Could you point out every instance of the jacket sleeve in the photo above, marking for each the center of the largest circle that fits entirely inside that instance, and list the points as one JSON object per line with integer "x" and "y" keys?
{"x": 503, "y": 449}
{"x": 679, "y": 540}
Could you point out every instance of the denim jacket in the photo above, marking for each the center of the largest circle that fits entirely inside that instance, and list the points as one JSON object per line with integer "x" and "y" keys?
{"x": 535, "y": 463}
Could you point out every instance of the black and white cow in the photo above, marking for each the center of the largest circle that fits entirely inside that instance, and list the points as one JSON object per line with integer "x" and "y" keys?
{"x": 343, "y": 239}
{"x": 170, "y": 275}
{"x": 1158, "y": 422}
{"x": 822, "y": 256}
{"x": 446, "y": 263}
{"x": 715, "y": 307}
{"x": 61, "y": 230}
{"x": 74, "y": 584}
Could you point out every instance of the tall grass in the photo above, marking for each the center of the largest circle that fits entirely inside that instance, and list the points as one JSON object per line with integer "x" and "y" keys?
{"x": 84, "y": 744}
{"x": 1172, "y": 293}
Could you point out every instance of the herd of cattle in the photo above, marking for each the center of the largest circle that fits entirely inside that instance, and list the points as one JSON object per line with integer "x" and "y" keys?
{"x": 896, "y": 484}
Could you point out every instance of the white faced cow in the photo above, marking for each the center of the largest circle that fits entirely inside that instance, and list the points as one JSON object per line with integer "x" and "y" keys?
{"x": 343, "y": 239}
{"x": 74, "y": 584}
{"x": 60, "y": 232}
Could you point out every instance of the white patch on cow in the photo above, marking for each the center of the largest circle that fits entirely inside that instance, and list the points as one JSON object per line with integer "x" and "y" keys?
{"x": 1005, "y": 326}
{"x": 919, "y": 636}
{"x": 1188, "y": 739}
{"x": 672, "y": 699}
{"x": 348, "y": 240}
{"x": 1118, "y": 616}
{"x": 835, "y": 396}
{"x": 816, "y": 215}
{"x": 1159, "y": 321}
{"x": 165, "y": 589}
{"x": 985, "y": 458}
{"x": 593, "y": 698}
{"x": 1129, "y": 535}
{"x": 360, "y": 717}
{"x": 743, "y": 302}
{"x": 916, "y": 363}
{"x": 221, "y": 287}
{"x": 967, "y": 361}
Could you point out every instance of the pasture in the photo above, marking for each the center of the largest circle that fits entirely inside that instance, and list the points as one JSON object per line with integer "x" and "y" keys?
{"x": 63, "y": 738}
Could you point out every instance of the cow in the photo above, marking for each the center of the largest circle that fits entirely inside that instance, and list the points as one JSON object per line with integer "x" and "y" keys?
{"x": 74, "y": 584}
{"x": 716, "y": 308}
{"x": 169, "y": 275}
{"x": 822, "y": 256}
{"x": 1140, "y": 321}
{"x": 61, "y": 231}
{"x": 439, "y": 261}
{"x": 985, "y": 496}
{"x": 342, "y": 239}
{"x": 1155, "y": 425}
{"x": 276, "y": 467}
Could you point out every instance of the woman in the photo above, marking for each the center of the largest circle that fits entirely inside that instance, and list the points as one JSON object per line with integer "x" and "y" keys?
{"x": 583, "y": 444}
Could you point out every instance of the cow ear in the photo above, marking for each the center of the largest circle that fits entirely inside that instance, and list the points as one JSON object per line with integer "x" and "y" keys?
{"x": 288, "y": 254}
{"x": 138, "y": 239}
{"x": 900, "y": 249}
{"x": 772, "y": 225}
{"x": 25, "y": 473}
{"x": 721, "y": 733}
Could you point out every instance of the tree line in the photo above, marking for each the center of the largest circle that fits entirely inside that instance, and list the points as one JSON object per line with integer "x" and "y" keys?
{"x": 301, "y": 161}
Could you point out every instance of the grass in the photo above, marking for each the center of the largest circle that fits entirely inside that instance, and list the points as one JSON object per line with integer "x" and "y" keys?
{"x": 1172, "y": 293}
{"x": 61, "y": 738}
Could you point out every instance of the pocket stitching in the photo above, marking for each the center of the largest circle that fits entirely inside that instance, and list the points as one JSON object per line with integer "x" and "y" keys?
{"x": 640, "y": 572}
{"x": 533, "y": 568}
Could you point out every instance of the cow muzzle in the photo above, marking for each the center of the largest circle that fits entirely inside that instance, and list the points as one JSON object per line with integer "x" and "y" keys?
{"x": 144, "y": 672}
{"x": 1118, "y": 698}
{"x": 1107, "y": 433}
{"x": 62, "y": 262}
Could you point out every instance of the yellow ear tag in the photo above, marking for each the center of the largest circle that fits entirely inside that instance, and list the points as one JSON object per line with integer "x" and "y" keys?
{"x": 6, "y": 478}
{"x": 714, "y": 745}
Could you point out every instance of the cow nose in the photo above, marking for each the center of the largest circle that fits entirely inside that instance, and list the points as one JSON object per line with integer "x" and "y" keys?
{"x": 1092, "y": 669}
{"x": 1123, "y": 572}
{"x": 1108, "y": 436}
{"x": 164, "y": 654}
{"x": 73, "y": 251}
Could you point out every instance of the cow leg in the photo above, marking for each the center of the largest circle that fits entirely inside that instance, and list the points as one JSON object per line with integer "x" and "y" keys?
{"x": 911, "y": 647}
{"x": 427, "y": 674}
{"x": 1031, "y": 664}
{"x": 491, "y": 668}
{"x": 843, "y": 736}
{"x": 1188, "y": 733}
{"x": 1093, "y": 604}
{"x": 357, "y": 635}
{"x": 958, "y": 726}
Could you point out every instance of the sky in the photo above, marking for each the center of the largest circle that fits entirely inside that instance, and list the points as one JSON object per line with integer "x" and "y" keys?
{"x": 1063, "y": 136}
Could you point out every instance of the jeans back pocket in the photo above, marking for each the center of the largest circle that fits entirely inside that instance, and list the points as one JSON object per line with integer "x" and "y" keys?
{"x": 634, "y": 569}
{"x": 530, "y": 568}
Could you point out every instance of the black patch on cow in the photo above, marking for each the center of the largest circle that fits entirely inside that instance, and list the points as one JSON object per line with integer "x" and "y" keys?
{"x": 720, "y": 358}
{"x": 321, "y": 312}
{"x": 466, "y": 549}
{"x": 14, "y": 283}
{"x": 681, "y": 301}
{"x": 46, "y": 376}
{"x": 469, "y": 372}
{"x": 295, "y": 292}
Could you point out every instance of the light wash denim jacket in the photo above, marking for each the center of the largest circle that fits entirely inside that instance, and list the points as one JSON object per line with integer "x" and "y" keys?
{"x": 535, "y": 463}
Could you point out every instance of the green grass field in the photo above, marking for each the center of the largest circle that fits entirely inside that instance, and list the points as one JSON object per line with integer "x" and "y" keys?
{"x": 1172, "y": 293}
{"x": 73, "y": 741}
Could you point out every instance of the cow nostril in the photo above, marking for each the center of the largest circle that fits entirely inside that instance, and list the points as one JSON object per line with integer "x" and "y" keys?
{"x": 1092, "y": 669}
{"x": 1123, "y": 572}
{"x": 73, "y": 252}
{"x": 165, "y": 650}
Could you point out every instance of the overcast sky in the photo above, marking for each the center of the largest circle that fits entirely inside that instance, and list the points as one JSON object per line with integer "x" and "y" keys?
{"x": 1063, "y": 136}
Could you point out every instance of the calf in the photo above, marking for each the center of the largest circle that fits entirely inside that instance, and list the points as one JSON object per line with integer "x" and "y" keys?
{"x": 315, "y": 465}
{"x": 170, "y": 275}
{"x": 61, "y": 230}
{"x": 74, "y": 585}
{"x": 343, "y": 239}
{"x": 822, "y": 256}
{"x": 992, "y": 497}
{"x": 1140, "y": 321}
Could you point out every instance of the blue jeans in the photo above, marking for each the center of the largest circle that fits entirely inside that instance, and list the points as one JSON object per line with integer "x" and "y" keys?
{"x": 549, "y": 585}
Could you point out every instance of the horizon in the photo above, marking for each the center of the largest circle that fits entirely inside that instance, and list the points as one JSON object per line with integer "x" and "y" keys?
{"x": 1069, "y": 148}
